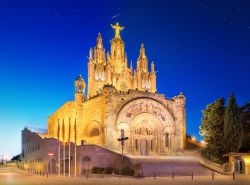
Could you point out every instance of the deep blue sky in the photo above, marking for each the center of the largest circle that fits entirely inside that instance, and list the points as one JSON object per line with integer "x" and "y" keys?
{"x": 199, "y": 47}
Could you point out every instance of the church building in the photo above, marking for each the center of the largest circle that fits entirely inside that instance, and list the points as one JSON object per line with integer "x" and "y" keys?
{"x": 120, "y": 102}
{"x": 121, "y": 98}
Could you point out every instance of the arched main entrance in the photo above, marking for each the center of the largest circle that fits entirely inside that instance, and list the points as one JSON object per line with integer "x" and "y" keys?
{"x": 146, "y": 134}
{"x": 149, "y": 126}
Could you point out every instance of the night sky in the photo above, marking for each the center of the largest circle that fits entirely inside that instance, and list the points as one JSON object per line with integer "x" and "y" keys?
{"x": 200, "y": 48}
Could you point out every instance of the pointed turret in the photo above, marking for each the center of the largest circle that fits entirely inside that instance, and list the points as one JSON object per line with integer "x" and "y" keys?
{"x": 152, "y": 67}
{"x": 99, "y": 51}
{"x": 117, "y": 53}
{"x": 142, "y": 52}
{"x": 131, "y": 67}
{"x": 99, "y": 44}
{"x": 153, "y": 78}
{"x": 90, "y": 54}
{"x": 142, "y": 61}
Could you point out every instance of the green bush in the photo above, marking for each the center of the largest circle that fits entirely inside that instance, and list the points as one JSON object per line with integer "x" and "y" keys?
{"x": 127, "y": 171}
{"x": 98, "y": 170}
{"x": 110, "y": 170}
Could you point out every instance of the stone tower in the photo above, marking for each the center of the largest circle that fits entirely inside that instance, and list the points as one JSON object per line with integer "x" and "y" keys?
{"x": 111, "y": 68}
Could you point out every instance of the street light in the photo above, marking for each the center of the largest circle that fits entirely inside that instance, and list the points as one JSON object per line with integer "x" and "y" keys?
{"x": 122, "y": 139}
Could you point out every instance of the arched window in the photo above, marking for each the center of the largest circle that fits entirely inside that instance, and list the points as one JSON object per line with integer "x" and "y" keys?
{"x": 152, "y": 145}
{"x": 167, "y": 140}
{"x": 94, "y": 132}
{"x": 136, "y": 144}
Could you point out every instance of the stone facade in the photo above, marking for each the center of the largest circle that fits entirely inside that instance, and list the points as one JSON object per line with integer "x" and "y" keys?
{"x": 119, "y": 98}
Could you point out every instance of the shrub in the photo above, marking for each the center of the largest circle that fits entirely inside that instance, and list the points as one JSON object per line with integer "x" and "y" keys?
{"x": 127, "y": 171}
{"x": 110, "y": 170}
{"x": 97, "y": 170}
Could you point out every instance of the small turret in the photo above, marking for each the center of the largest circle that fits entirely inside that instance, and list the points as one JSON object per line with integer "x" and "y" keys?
{"x": 131, "y": 67}
{"x": 99, "y": 44}
{"x": 90, "y": 54}
{"x": 152, "y": 67}
{"x": 142, "y": 61}
{"x": 153, "y": 78}
{"x": 99, "y": 51}
{"x": 142, "y": 52}
{"x": 80, "y": 87}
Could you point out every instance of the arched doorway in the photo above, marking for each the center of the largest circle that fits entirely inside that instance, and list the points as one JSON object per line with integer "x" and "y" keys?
{"x": 144, "y": 146}
{"x": 239, "y": 165}
{"x": 86, "y": 165}
{"x": 146, "y": 138}
{"x": 150, "y": 127}
{"x": 52, "y": 166}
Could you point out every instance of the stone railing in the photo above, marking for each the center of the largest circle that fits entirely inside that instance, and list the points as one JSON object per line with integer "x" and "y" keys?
{"x": 223, "y": 169}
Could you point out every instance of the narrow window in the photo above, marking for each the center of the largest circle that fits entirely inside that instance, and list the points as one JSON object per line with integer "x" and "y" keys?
{"x": 152, "y": 145}
{"x": 166, "y": 140}
{"x": 136, "y": 144}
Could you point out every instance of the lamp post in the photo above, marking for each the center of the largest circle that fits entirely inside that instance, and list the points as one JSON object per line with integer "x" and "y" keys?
{"x": 122, "y": 139}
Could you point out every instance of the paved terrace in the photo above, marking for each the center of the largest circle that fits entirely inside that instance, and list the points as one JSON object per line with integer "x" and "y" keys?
{"x": 14, "y": 176}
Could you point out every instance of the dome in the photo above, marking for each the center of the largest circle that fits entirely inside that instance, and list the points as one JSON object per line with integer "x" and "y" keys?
{"x": 80, "y": 78}
{"x": 80, "y": 84}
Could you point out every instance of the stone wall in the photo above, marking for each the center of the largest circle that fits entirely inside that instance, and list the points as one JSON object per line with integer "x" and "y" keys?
{"x": 99, "y": 157}
{"x": 96, "y": 118}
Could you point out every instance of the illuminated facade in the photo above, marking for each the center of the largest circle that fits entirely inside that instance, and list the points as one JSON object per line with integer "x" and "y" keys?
{"x": 112, "y": 68}
{"x": 120, "y": 97}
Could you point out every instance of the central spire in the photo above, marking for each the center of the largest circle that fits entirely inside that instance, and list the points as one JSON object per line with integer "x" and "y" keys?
{"x": 117, "y": 29}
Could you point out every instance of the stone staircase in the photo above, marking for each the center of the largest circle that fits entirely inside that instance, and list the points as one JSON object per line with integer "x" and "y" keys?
{"x": 167, "y": 165}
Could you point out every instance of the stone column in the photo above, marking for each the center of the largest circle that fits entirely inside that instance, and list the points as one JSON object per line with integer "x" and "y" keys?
{"x": 162, "y": 143}
{"x": 129, "y": 141}
{"x": 158, "y": 143}
{"x": 132, "y": 141}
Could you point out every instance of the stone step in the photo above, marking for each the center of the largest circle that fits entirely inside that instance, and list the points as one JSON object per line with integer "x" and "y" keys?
{"x": 167, "y": 165}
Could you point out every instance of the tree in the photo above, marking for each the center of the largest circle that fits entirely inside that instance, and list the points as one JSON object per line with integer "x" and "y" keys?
{"x": 212, "y": 130}
{"x": 233, "y": 130}
{"x": 245, "y": 121}
{"x": 16, "y": 158}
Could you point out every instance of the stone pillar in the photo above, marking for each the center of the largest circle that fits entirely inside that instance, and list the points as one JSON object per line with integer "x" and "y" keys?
{"x": 132, "y": 141}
